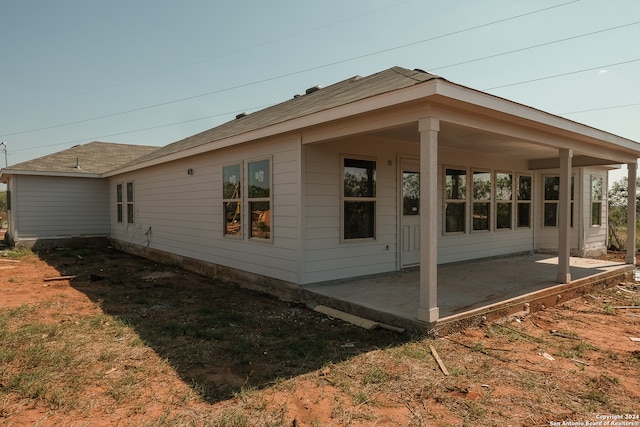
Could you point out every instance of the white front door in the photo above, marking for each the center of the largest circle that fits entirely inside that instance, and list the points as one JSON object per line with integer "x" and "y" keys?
{"x": 410, "y": 213}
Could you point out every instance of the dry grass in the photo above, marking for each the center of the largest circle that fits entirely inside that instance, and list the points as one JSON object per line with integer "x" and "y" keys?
{"x": 175, "y": 349}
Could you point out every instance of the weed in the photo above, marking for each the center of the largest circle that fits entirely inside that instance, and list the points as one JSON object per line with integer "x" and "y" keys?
{"x": 232, "y": 418}
{"x": 609, "y": 309}
{"x": 376, "y": 376}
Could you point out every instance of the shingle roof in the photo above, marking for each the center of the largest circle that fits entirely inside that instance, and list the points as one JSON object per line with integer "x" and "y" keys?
{"x": 92, "y": 158}
{"x": 341, "y": 93}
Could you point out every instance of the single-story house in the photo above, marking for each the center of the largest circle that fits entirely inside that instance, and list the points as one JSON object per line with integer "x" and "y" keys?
{"x": 372, "y": 174}
{"x": 64, "y": 195}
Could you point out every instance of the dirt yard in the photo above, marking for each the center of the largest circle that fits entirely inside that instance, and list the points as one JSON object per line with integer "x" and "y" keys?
{"x": 125, "y": 342}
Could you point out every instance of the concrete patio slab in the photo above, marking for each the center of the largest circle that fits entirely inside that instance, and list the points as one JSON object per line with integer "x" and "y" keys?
{"x": 465, "y": 290}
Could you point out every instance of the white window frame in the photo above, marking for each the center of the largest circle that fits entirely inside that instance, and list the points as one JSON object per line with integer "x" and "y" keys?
{"x": 464, "y": 201}
{"x": 248, "y": 200}
{"x": 519, "y": 201}
{"x": 365, "y": 199}
{"x": 130, "y": 203}
{"x": 594, "y": 201}
{"x": 238, "y": 200}
{"x": 557, "y": 202}
{"x": 489, "y": 202}
{"x": 120, "y": 210}
{"x": 510, "y": 201}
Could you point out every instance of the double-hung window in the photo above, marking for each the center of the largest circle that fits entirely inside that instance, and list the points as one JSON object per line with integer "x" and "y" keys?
{"x": 523, "y": 203}
{"x": 259, "y": 198}
{"x": 597, "y": 195}
{"x": 130, "y": 205}
{"x": 504, "y": 198}
{"x": 359, "y": 199}
{"x": 552, "y": 200}
{"x": 455, "y": 200}
{"x": 119, "y": 203}
{"x": 481, "y": 200}
{"x": 232, "y": 199}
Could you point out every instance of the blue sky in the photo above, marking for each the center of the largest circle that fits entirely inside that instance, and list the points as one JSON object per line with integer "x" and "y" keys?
{"x": 78, "y": 71}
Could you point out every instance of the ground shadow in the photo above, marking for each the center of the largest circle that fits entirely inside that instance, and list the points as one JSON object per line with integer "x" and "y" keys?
{"x": 219, "y": 338}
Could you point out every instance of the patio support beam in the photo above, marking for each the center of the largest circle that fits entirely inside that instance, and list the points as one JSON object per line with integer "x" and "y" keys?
{"x": 631, "y": 212}
{"x": 428, "y": 310}
{"x": 564, "y": 217}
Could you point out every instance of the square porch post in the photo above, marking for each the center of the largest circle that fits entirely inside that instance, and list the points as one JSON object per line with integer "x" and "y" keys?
{"x": 631, "y": 213}
{"x": 428, "y": 310}
{"x": 564, "y": 217}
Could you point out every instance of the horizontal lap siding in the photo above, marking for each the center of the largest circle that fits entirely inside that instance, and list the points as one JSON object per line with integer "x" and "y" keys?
{"x": 51, "y": 207}
{"x": 328, "y": 258}
{"x": 185, "y": 212}
{"x": 480, "y": 244}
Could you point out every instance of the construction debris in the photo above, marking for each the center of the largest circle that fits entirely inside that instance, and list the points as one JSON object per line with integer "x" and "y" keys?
{"x": 355, "y": 320}
{"x": 50, "y": 279}
{"x": 437, "y": 357}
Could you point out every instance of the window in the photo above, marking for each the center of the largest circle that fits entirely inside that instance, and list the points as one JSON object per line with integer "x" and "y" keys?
{"x": 232, "y": 199}
{"x": 551, "y": 201}
{"x": 359, "y": 199}
{"x": 523, "y": 204}
{"x": 455, "y": 200}
{"x": 481, "y": 200}
{"x": 130, "y": 214}
{"x": 259, "y": 198}
{"x": 504, "y": 197}
{"x": 119, "y": 209}
{"x": 596, "y": 200}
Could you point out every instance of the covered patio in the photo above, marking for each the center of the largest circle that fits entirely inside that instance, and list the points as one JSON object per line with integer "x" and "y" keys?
{"x": 470, "y": 292}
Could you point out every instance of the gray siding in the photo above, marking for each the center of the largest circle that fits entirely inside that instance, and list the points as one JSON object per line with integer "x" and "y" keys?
{"x": 183, "y": 214}
{"x": 55, "y": 207}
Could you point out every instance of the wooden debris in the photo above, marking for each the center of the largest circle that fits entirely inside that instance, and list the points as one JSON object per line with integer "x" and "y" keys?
{"x": 580, "y": 362}
{"x": 561, "y": 335}
{"x": 547, "y": 356}
{"x": 9, "y": 260}
{"x": 349, "y": 318}
{"x": 634, "y": 339}
{"x": 50, "y": 279}
{"x": 627, "y": 307}
{"x": 437, "y": 357}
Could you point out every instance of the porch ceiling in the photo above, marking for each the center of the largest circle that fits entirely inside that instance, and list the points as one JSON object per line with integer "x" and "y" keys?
{"x": 460, "y": 137}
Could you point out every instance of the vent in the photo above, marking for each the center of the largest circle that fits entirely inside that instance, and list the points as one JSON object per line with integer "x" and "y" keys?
{"x": 241, "y": 115}
{"x": 313, "y": 89}
{"x": 77, "y": 166}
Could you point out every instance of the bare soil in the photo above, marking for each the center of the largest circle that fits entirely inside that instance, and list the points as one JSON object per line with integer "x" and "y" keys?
{"x": 150, "y": 344}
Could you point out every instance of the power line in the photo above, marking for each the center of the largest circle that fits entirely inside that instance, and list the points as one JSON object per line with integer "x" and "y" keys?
{"x": 612, "y": 107}
{"x": 133, "y": 110}
{"x": 535, "y": 46}
{"x": 222, "y": 55}
{"x": 563, "y": 74}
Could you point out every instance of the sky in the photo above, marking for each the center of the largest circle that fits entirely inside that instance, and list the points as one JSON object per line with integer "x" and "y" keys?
{"x": 151, "y": 72}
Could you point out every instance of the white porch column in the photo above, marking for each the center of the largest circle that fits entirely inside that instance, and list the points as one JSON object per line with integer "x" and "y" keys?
{"x": 564, "y": 216}
{"x": 428, "y": 310}
{"x": 631, "y": 213}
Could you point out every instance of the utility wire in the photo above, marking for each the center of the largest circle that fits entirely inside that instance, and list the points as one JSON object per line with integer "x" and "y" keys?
{"x": 562, "y": 74}
{"x": 212, "y": 58}
{"x": 535, "y": 46}
{"x": 291, "y": 73}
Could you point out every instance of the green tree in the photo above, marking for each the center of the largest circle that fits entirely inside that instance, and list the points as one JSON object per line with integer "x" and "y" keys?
{"x": 3, "y": 201}
{"x": 618, "y": 198}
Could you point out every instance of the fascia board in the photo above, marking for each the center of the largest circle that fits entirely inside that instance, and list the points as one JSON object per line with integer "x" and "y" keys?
{"x": 533, "y": 117}
{"x": 9, "y": 172}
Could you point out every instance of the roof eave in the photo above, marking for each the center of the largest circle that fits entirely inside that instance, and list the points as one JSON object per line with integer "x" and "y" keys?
{"x": 9, "y": 172}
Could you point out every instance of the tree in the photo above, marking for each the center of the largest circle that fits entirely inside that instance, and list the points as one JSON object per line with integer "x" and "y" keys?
{"x": 3, "y": 201}
{"x": 618, "y": 198}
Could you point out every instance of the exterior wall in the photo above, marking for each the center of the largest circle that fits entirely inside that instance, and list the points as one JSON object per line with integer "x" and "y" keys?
{"x": 454, "y": 247}
{"x": 330, "y": 258}
{"x": 182, "y": 214}
{"x": 45, "y": 207}
{"x": 327, "y": 257}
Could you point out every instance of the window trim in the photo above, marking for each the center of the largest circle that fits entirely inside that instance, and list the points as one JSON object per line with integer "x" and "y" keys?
{"x": 233, "y": 200}
{"x": 131, "y": 213}
{"x": 490, "y": 201}
{"x": 593, "y": 201}
{"x": 519, "y": 201}
{"x": 464, "y": 201}
{"x": 246, "y": 205}
{"x": 119, "y": 203}
{"x": 557, "y": 202}
{"x": 504, "y": 201}
{"x": 366, "y": 199}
